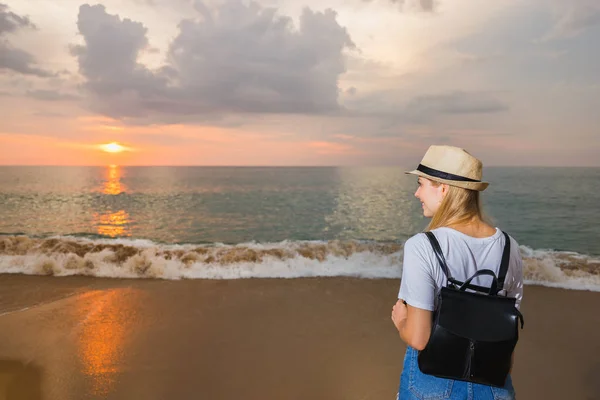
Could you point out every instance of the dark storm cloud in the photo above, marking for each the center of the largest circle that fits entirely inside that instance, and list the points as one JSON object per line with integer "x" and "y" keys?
{"x": 11, "y": 58}
{"x": 235, "y": 58}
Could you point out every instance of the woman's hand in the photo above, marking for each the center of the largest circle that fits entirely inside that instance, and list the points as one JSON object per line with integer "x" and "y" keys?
{"x": 399, "y": 314}
{"x": 413, "y": 324}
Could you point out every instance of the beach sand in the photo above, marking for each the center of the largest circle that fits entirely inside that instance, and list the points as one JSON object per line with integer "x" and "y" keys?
{"x": 315, "y": 338}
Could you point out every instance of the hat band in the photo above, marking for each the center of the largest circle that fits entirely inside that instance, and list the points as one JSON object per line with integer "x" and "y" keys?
{"x": 444, "y": 175}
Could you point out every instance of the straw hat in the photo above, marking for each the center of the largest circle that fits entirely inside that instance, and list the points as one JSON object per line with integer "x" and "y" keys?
{"x": 453, "y": 166}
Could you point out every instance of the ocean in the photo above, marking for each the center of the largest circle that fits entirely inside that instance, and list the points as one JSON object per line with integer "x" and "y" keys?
{"x": 251, "y": 222}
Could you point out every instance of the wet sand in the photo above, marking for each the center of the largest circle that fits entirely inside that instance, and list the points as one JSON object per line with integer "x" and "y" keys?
{"x": 86, "y": 338}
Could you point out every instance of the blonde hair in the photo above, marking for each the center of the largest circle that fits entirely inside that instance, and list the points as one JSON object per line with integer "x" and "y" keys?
{"x": 459, "y": 206}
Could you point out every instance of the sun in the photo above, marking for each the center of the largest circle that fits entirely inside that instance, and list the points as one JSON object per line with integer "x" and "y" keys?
{"x": 113, "y": 147}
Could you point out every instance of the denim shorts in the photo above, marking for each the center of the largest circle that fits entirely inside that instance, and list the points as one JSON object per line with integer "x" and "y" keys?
{"x": 415, "y": 385}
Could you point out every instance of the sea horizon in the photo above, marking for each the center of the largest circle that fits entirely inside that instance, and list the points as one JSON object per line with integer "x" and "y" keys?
{"x": 281, "y": 166}
{"x": 233, "y": 222}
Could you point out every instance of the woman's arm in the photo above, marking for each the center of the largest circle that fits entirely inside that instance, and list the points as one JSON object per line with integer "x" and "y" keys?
{"x": 413, "y": 324}
{"x": 417, "y": 288}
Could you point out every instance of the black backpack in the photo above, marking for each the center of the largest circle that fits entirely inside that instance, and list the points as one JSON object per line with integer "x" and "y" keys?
{"x": 473, "y": 335}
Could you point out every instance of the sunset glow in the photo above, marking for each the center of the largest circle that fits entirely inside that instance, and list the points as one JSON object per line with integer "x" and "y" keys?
{"x": 349, "y": 83}
{"x": 113, "y": 147}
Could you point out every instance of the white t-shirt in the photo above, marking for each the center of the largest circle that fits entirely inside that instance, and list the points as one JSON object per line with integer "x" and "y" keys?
{"x": 422, "y": 276}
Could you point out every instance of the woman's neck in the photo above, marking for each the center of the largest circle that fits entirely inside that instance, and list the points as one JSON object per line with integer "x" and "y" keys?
{"x": 475, "y": 228}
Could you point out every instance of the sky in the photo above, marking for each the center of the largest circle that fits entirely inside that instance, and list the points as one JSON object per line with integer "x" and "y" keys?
{"x": 298, "y": 82}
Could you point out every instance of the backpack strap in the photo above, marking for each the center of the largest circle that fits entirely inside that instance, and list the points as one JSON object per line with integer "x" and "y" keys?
{"x": 503, "y": 263}
{"x": 493, "y": 289}
{"x": 455, "y": 282}
{"x": 520, "y": 317}
{"x": 504, "y": 270}
{"x": 439, "y": 255}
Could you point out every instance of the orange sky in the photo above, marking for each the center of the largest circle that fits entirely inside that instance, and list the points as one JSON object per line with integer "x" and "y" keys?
{"x": 343, "y": 82}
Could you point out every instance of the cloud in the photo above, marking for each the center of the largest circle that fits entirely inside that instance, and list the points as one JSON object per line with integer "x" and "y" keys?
{"x": 50, "y": 95}
{"x": 427, "y": 5}
{"x": 151, "y": 3}
{"x": 232, "y": 58}
{"x": 392, "y": 106}
{"x": 387, "y": 114}
{"x": 10, "y": 22}
{"x": 11, "y": 58}
{"x": 108, "y": 60}
{"x": 20, "y": 61}
{"x": 414, "y": 5}
{"x": 49, "y": 114}
{"x": 574, "y": 20}
{"x": 351, "y": 91}
{"x": 455, "y": 103}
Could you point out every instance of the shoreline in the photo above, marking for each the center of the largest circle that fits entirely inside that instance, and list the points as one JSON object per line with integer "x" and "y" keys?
{"x": 316, "y": 338}
{"x": 124, "y": 258}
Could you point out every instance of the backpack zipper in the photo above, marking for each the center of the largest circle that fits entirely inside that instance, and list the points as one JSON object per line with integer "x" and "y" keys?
{"x": 467, "y": 374}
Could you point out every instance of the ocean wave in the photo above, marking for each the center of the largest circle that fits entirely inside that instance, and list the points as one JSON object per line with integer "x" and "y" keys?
{"x": 138, "y": 258}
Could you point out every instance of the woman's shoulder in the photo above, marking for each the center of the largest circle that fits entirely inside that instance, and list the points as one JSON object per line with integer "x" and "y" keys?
{"x": 421, "y": 241}
{"x": 416, "y": 239}
{"x": 418, "y": 251}
{"x": 418, "y": 243}
{"x": 515, "y": 249}
{"x": 513, "y": 241}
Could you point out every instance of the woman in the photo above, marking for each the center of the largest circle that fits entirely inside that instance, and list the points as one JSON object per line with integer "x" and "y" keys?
{"x": 449, "y": 182}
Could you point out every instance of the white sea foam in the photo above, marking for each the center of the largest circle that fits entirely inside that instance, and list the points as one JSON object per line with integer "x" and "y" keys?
{"x": 125, "y": 258}
{"x": 562, "y": 269}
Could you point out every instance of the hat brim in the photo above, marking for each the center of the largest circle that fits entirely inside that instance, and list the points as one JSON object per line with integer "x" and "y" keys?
{"x": 479, "y": 186}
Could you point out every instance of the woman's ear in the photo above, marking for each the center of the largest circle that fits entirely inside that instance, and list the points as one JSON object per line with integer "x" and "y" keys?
{"x": 444, "y": 188}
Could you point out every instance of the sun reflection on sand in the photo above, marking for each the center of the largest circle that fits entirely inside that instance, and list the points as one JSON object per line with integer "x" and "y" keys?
{"x": 105, "y": 330}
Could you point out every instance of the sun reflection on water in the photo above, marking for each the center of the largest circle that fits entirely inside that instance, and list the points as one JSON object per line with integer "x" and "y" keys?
{"x": 113, "y": 224}
{"x": 112, "y": 183}
{"x": 372, "y": 203}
